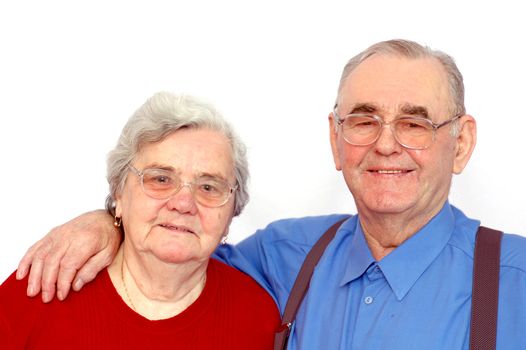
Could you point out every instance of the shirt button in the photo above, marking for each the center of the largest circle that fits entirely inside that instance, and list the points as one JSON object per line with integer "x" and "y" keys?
{"x": 368, "y": 300}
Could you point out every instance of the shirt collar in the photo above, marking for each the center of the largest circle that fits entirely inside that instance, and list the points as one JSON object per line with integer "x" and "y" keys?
{"x": 360, "y": 257}
{"x": 404, "y": 265}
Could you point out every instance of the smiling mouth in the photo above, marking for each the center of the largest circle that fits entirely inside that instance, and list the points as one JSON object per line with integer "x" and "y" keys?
{"x": 176, "y": 228}
{"x": 390, "y": 172}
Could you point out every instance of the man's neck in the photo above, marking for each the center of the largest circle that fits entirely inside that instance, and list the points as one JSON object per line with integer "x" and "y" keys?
{"x": 385, "y": 232}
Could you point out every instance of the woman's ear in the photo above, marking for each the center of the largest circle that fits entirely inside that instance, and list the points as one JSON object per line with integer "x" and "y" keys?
{"x": 118, "y": 206}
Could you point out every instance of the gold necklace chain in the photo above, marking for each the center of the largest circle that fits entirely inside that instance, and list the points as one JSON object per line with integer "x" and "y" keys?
{"x": 124, "y": 284}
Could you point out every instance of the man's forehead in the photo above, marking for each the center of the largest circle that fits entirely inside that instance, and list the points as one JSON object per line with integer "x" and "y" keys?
{"x": 393, "y": 60}
{"x": 395, "y": 84}
{"x": 389, "y": 67}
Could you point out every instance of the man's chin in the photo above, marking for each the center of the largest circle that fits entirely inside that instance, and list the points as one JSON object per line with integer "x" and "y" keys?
{"x": 386, "y": 205}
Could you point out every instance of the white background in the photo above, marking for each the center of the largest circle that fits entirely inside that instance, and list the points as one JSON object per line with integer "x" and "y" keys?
{"x": 72, "y": 72}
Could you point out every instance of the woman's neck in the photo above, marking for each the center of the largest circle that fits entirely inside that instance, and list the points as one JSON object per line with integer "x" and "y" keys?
{"x": 155, "y": 289}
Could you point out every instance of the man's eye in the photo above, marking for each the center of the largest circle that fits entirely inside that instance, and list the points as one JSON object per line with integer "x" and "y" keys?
{"x": 414, "y": 125}
{"x": 361, "y": 123}
{"x": 364, "y": 123}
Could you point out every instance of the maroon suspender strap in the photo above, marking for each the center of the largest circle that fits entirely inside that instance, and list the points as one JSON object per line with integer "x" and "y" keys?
{"x": 485, "y": 295}
{"x": 301, "y": 285}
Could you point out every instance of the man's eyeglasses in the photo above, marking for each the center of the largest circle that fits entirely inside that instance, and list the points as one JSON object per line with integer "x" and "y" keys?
{"x": 409, "y": 131}
{"x": 208, "y": 191}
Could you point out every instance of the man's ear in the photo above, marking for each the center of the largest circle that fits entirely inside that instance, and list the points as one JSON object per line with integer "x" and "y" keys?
{"x": 333, "y": 134}
{"x": 465, "y": 142}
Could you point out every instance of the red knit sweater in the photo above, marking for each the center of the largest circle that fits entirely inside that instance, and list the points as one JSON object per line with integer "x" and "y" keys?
{"x": 233, "y": 312}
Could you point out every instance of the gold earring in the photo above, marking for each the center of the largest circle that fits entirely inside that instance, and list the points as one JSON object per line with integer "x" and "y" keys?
{"x": 117, "y": 222}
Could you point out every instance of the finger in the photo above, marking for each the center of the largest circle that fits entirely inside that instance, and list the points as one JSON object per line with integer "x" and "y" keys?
{"x": 35, "y": 277}
{"x": 64, "y": 281}
{"x": 50, "y": 273}
{"x": 90, "y": 269}
{"x": 26, "y": 261}
{"x": 39, "y": 254}
{"x": 74, "y": 259}
{"x": 69, "y": 265}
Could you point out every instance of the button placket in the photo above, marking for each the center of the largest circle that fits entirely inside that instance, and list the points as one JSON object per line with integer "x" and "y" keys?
{"x": 370, "y": 305}
{"x": 374, "y": 274}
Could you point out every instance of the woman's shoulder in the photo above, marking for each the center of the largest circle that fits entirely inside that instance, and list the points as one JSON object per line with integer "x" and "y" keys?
{"x": 233, "y": 312}
{"x": 240, "y": 286}
{"x": 14, "y": 300}
{"x": 18, "y": 312}
{"x": 13, "y": 295}
{"x": 232, "y": 278}
{"x": 12, "y": 285}
{"x": 247, "y": 302}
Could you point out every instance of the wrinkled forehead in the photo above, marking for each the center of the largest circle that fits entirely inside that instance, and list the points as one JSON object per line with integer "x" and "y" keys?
{"x": 198, "y": 151}
{"x": 391, "y": 83}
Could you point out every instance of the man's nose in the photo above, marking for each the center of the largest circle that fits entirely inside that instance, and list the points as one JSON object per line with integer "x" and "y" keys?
{"x": 387, "y": 142}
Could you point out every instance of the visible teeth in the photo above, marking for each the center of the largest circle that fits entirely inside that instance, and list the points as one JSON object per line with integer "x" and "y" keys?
{"x": 390, "y": 171}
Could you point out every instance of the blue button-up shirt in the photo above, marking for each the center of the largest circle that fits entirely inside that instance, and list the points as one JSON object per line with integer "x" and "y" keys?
{"x": 417, "y": 297}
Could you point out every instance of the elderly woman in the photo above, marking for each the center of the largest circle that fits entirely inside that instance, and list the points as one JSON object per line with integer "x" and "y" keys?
{"x": 177, "y": 177}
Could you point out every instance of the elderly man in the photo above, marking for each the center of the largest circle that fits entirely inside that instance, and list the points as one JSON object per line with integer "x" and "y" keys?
{"x": 396, "y": 276}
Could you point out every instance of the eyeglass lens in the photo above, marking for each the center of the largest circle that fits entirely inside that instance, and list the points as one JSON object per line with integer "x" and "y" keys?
{"x": 207, "y": 190}
{"x": 409, "y": 131}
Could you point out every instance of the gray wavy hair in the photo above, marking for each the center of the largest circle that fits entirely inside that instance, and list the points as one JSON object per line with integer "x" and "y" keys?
{"x": 161, "y": 115}
{"x": 411, "y": 49}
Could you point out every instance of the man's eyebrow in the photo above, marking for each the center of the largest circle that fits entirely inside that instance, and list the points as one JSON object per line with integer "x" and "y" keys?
{"x": 406, "y": 109}
{"x": 415, "y": 110}
{"x": 364, "y": 108}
